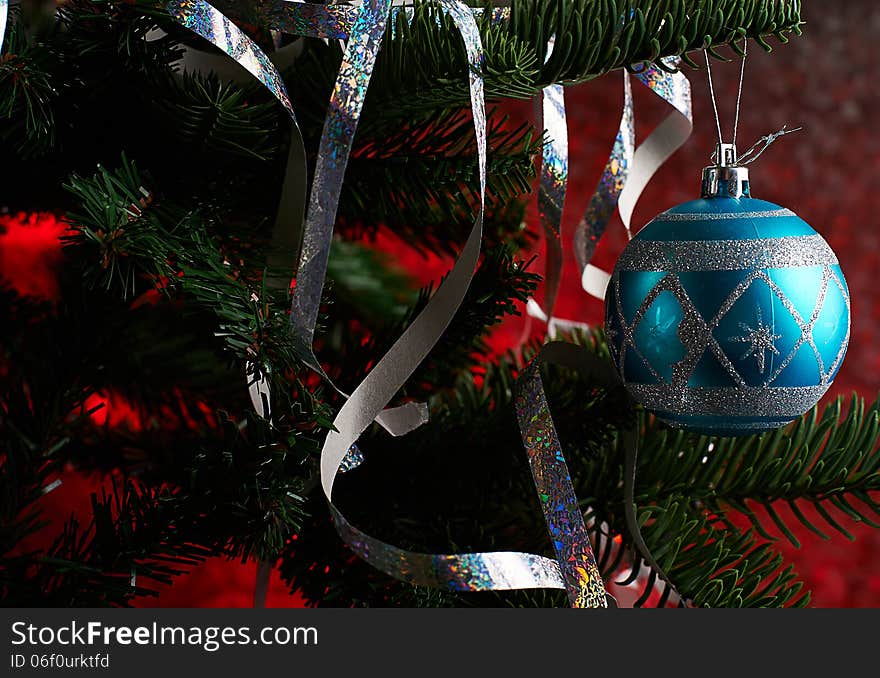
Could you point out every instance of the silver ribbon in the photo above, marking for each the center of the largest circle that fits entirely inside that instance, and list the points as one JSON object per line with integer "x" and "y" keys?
{"x": 592, "y": 225}
{"x": 472, "y": 571}
{"x": 340, "y": 125}
{"x": 206, "y": 21}
{"x": 668, "y": 137}
{"x": 337, "y": 139}
{"x": 334, "y": 21}
{"x": 575, "y": 568}
{"x": 551, "y": 192}
{"x": 562, "y": 513}
{"x": 629, "y": 169}
{"x": 479, "y": 571}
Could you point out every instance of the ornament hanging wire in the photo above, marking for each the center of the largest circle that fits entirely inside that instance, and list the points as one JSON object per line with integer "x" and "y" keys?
{"x": 739, "y": 91}
{"x": 762, "y": 144}
{"x": 714, "y": 101}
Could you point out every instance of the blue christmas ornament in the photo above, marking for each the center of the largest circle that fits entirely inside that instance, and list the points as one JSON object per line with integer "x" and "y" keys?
{"x": 727, "y": 315}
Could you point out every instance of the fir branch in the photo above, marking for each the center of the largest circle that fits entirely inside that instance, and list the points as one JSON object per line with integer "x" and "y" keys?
{"x": 421, "y": 181}
{"x": 250, "y": 488}
{"x": 124, "y": 233}
{"x": 822, "y": 459}
{"x": 107, "y": 40}
{"x": 416, "y": 71}
{"x": 129, "y": 246}
{"x": 712, "y": 564}
{"x": 220, "y": 117}
{"x": 27, "y": 92}
{"x": 133, "y": 535}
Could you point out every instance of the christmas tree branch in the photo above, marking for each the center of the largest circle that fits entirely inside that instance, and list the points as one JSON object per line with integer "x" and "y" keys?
{"x": 825, "y": 458}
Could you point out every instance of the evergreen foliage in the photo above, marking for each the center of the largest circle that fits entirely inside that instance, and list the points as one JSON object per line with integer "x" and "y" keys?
{"x": 169, "y": 182}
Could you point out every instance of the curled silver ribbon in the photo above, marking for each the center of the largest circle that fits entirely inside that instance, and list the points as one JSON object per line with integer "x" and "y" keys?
{"x": 592, "y": 225}
{"x": 337, "y": 138}
{"x": 478, "y": 571}
{"x": 471, "y": 571}
{"x": 629, "y": 169}
{"x": 562, "y": 513}
{"x": 335, "y": 20}
{"x": 668, "y": 137}
{"x": 205, "y": 20}
{"x": 552, "y": 187}
{"x": 575, "y": 568}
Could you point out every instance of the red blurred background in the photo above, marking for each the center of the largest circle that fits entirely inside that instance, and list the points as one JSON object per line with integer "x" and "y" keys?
{"x": 822, "y": 81}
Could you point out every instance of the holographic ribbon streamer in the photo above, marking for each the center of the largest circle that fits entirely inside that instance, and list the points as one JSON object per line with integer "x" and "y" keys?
{"x": 629, "y": 169}
{"x": 335, "y": 20}
{"x": 552, "y": 186}
{"x": 332, "y": 21}
{"x": 205, "y": 20}
{"x": 575, "y": 569}
{"x": 558, "y": 500}
{"x": 668, "y": 137}
{"x": 337, "y": 139}
{"x": 565, "y": 522}
{"x": 551, "y": 202}
{"x": 595, "y": 220}
{"x": 471, "y": 571}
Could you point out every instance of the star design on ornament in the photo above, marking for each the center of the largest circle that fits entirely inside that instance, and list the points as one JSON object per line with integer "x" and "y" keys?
{"x": 760, "y": 340}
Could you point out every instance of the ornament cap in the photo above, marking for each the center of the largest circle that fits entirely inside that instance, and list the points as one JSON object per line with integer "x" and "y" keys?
{"x": 725, "y": 179}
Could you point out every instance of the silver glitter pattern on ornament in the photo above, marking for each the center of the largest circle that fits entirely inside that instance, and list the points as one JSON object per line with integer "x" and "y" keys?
{"x": 760, "y": 339}
{"x": 696, "y": 333}
{"x": 743, "y": 401}
{"x": 723, "y": 216}
{"x": 726, "y": 255}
